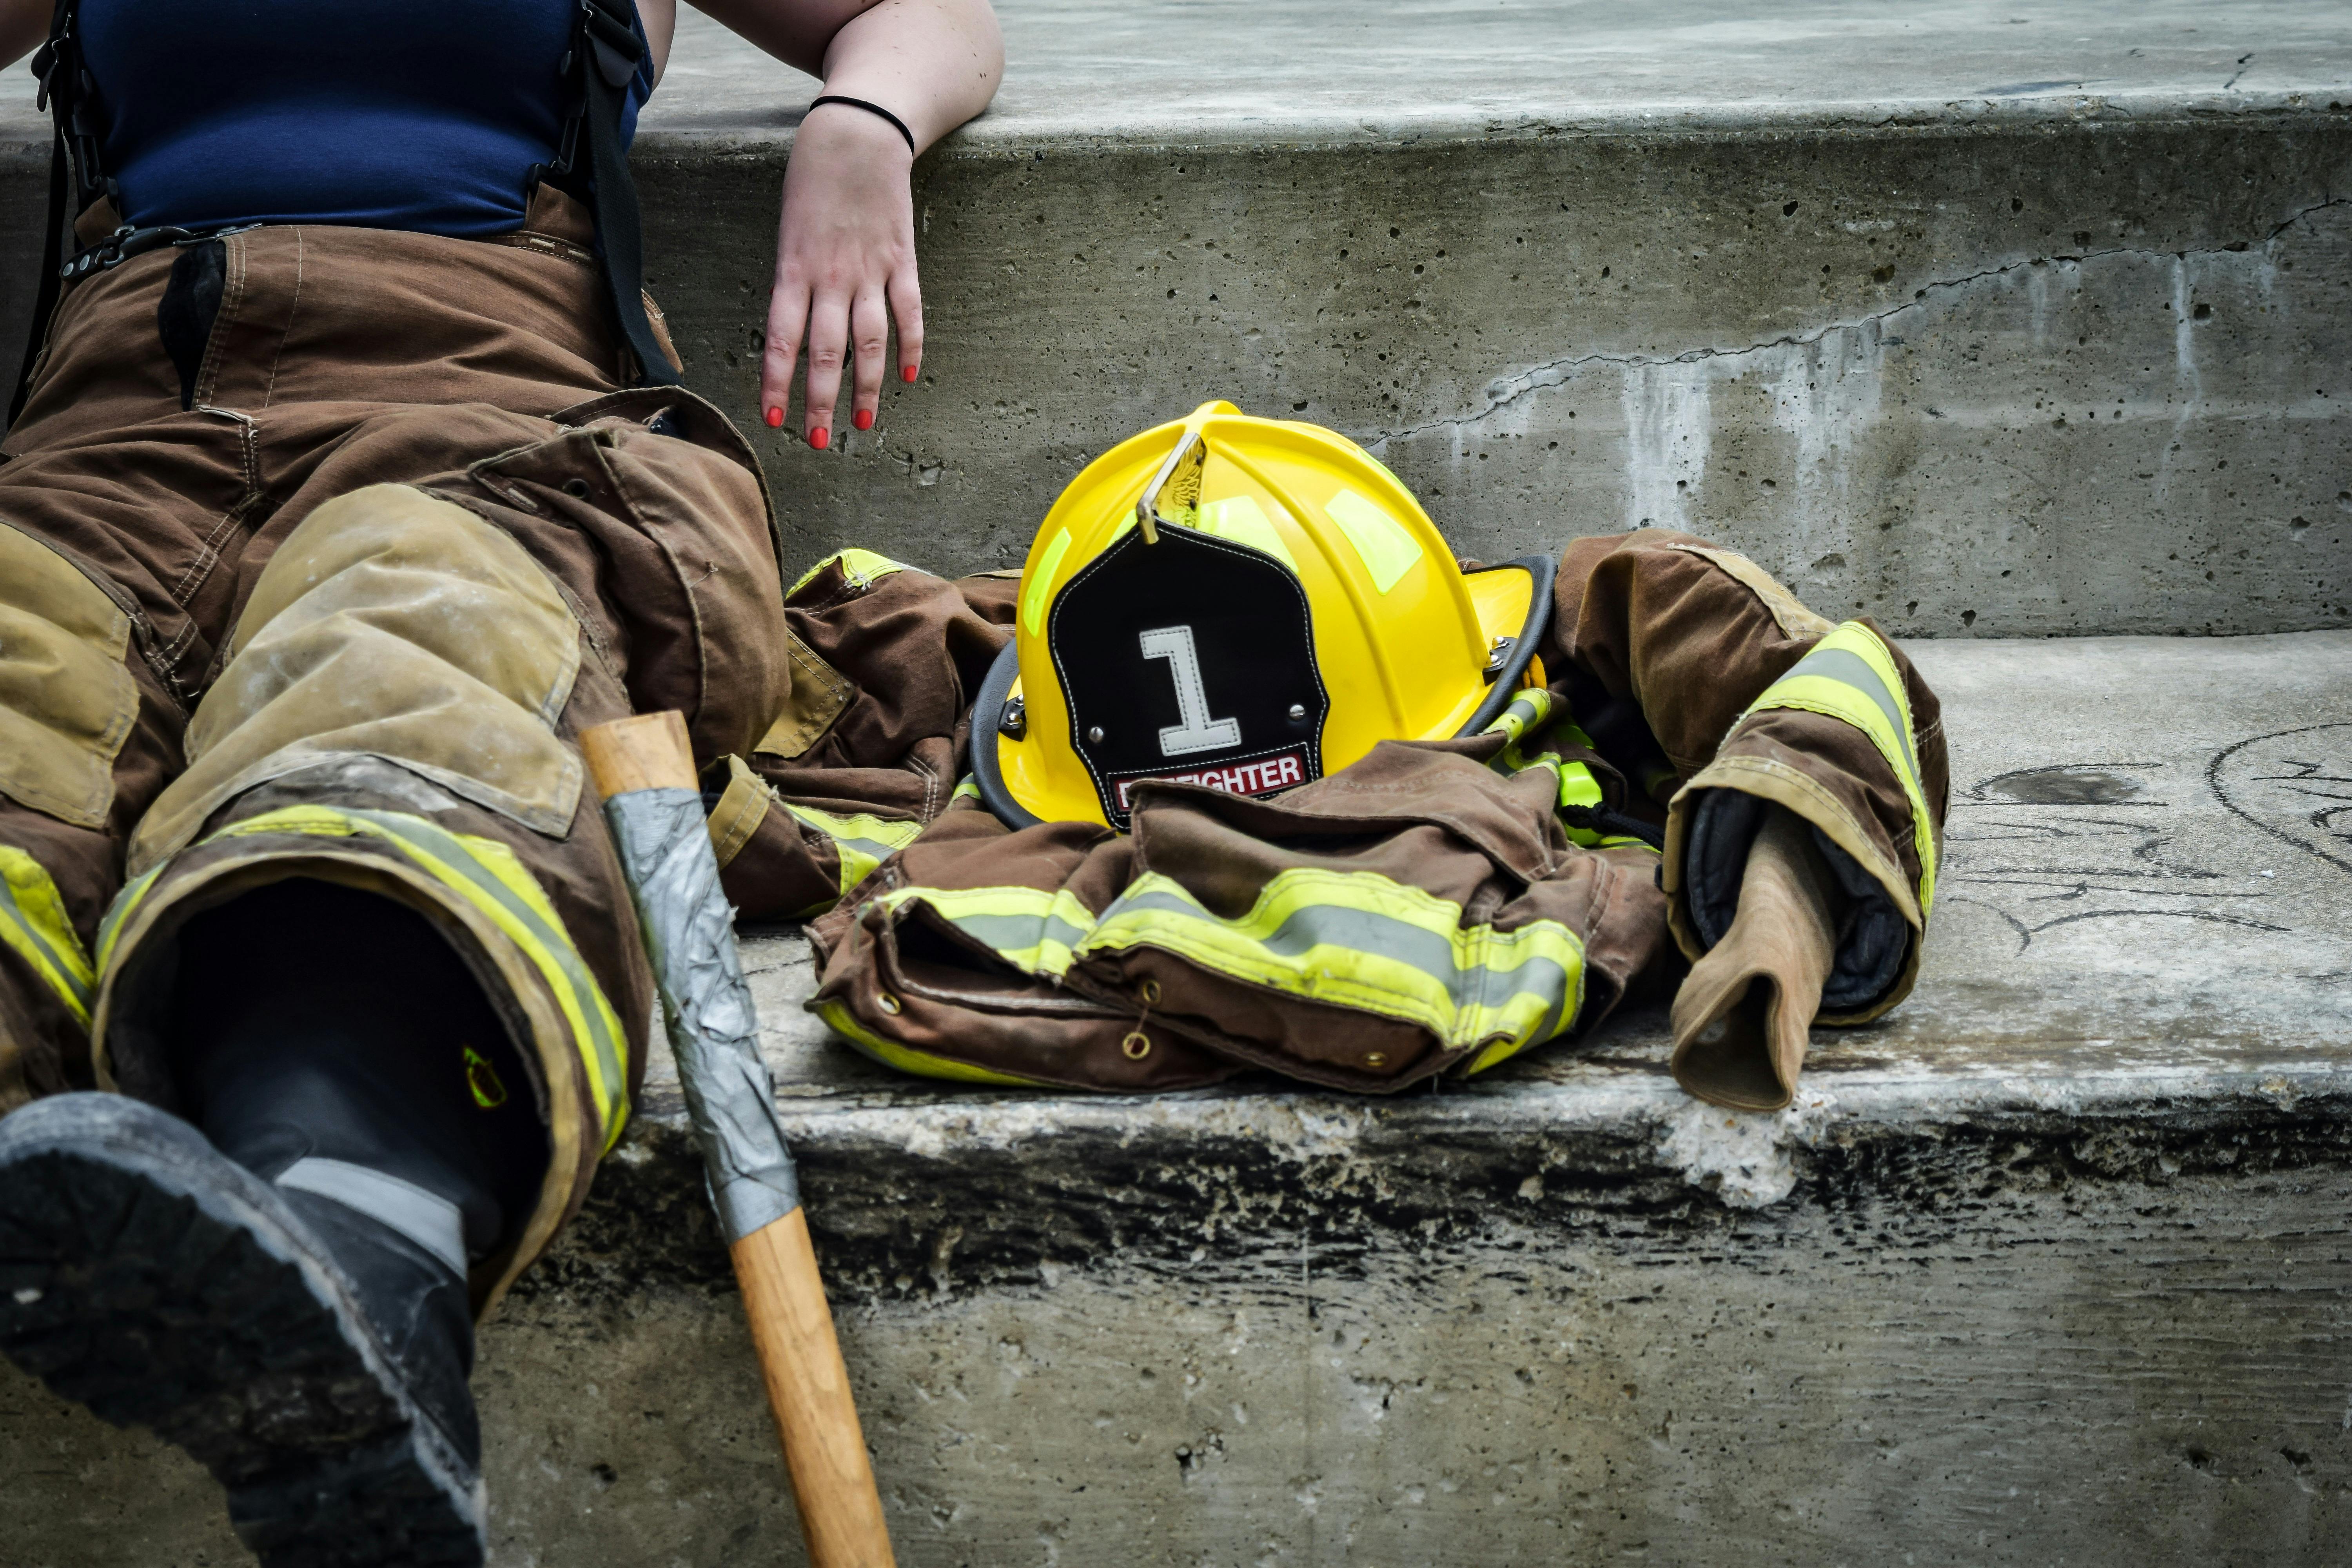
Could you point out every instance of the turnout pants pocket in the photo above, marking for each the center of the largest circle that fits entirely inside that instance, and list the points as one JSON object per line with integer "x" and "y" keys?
{"x": 66, "y": 703}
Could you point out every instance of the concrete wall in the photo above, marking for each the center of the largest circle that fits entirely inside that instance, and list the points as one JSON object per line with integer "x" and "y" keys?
{"x": 2037, "y": 381}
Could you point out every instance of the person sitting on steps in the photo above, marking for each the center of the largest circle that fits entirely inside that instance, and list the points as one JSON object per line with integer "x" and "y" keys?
{"x": 350, "y": 483}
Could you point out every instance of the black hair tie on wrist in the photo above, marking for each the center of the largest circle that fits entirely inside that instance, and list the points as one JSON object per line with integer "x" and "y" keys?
{"x": 896, "y": 123}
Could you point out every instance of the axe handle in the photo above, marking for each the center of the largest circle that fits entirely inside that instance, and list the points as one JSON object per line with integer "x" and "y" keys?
{"x": 784, "y": 1296}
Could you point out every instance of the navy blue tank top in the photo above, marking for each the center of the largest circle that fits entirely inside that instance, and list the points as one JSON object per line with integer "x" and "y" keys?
{"x": 382, "y": 113}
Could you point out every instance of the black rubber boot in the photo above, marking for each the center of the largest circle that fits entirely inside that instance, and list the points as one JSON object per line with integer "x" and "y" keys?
{"x": 282, "y": 1293}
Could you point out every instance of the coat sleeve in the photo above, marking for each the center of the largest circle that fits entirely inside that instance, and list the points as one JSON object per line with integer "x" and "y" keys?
{"x": 1751, "y": 700}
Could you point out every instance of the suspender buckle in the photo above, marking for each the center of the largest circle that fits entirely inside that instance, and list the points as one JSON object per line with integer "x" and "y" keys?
{"x": 125, "y": 243}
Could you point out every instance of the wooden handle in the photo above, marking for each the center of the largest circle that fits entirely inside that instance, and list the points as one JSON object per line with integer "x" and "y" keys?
{"x": 648, "y": 751}
{"x": 808, "y": 1388}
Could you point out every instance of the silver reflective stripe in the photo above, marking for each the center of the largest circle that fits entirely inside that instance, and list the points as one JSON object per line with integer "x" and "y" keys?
{"x": 427, "y": 1218}
{"x": 1853, "y": 670}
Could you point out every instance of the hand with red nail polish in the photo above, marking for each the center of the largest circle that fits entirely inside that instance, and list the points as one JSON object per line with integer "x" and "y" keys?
{"x": 846, "y": 277}
{"x": 776, "y": 418}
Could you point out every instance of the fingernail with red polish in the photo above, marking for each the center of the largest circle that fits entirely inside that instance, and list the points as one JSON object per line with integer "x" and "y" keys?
{"x": 776, "y": 418}
{"x": 906, "y": 373}
{"x": 820, "y": 437}
{"x": 865, "y": 418}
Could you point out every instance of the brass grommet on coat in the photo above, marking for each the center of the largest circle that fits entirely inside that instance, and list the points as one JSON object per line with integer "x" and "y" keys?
{"x": 1150, "y": 992}
{"x": 1136, "y": 1046}
{"x": 887, "y": 1002}
{"x": 1376, "y": 1059}
{"x": 576, "y": 488}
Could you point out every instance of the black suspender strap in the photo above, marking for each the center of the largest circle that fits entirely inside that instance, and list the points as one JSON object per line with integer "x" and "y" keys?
{"x": 57, "y": 62}
{"x": 607, "y": 54}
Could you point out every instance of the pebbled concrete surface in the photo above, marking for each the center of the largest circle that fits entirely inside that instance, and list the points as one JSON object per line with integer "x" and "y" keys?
{"x": 2020, "y": 320}
{"x": 2050, "y": 1266}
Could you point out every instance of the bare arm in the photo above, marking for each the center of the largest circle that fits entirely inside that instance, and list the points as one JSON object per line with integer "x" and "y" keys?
{"x": 845, "y": 242}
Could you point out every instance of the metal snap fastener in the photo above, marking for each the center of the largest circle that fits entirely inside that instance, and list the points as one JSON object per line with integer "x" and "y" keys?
{"x": 577, "y": 488}
{"x": 1150, "y": 992}
{"x": 1376, "y": 1059}
{"x": 1094, "y": 734}
{"x": 1136, "y": 1047}
{"x": 887, "y": 1002}
{"x": 1297, "y": 711}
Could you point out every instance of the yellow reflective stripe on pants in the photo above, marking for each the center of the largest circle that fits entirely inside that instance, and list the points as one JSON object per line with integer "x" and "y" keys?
{"x": 1036, "y": 931}
{"x": 1851, "y": 677}
{"x": 1356, "y": 939}
{"x": 860, "y": 842}
{"x": 32, "y": 923}
{"x": 486, "y": 875}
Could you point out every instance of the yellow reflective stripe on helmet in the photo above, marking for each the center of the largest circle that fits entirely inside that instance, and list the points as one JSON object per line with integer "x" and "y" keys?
{"x": 1357, "y": 939}
{"x": 1034, "y": 592}
{"x": 1036, "y": 931}
{"x": 486, "y": 875}
{"x": 859, "y": 568}
{"x": 861, "y": 842}
{"x": 1387, "y": 548}
{"x": 1241, "y": 519}
{"x": 33, "y": 924}
{"x": 842, "y": 1022}
{"x": 1851, "y": 677}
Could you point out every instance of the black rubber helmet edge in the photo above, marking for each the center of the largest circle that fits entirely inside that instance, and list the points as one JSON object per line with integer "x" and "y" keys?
{"x": 987, "y": 713}
{"x": 1523, "y": 648}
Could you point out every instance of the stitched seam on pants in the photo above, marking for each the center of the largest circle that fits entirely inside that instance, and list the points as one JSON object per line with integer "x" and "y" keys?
{"x": 286, "y": 330}
{"x": 208, "y": 554}
{"x": 232, "y": 303}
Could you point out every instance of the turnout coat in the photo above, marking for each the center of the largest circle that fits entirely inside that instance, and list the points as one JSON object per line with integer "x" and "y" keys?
{"x": 1434, "y": 907}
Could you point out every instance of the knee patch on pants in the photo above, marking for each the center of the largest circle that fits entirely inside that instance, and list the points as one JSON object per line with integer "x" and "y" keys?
{"x": 66, "y": 702}
{"x": 394, "y": 624}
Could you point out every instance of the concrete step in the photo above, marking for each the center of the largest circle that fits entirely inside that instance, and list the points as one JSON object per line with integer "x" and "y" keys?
{"x": 2051, "y": 1266}
{"x": 2026, "y": 318}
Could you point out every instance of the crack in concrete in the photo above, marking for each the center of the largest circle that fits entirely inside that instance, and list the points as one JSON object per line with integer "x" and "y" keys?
{"x": 1555, "y": 373}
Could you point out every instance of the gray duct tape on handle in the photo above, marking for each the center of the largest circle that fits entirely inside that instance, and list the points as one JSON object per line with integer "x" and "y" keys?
{"x": 690, "y": 937}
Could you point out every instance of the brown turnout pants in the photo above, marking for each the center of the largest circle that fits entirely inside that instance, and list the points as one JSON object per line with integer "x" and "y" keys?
{"x": 330, "y": 593}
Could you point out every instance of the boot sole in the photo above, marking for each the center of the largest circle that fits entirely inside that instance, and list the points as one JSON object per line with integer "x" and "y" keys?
{"x": 146, "y": 1276}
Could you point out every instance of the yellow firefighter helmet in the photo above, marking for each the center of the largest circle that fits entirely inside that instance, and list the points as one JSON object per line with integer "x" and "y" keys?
{"x": 1245, "y": 604}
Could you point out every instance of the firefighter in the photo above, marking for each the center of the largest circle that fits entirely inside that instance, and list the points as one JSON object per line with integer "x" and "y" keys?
{"x": 349, "y": 480}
